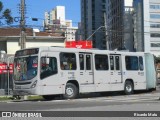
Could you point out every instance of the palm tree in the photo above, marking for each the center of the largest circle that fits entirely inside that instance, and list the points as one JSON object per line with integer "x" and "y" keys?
{"x": 6, "y": 14}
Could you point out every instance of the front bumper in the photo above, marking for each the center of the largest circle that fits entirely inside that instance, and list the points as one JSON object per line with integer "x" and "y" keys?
{"x": 24, "y": 92}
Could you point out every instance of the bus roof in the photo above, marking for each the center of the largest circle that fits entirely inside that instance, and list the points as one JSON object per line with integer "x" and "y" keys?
{"x": 62, "y": 49}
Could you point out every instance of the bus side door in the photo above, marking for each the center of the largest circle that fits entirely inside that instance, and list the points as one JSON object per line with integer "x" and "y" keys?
{"x": 115, "y": 69}
{"x": 49, "y": 73}
{"x": 86, "y": 68}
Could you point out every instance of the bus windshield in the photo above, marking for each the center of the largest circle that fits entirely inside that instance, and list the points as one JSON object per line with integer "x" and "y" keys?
{"x": 25, "y": 68}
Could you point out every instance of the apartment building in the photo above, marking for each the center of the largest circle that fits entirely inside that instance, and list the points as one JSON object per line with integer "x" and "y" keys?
{"x": 55, "y": 14}
{"x": 147, "y": 26}
{"x": 92, "y": 21}
{"x": 104, "y": 18}
{"x": 55, "y": 22}
{"x": 70, "y": 33}
{"x": 115, "y": 15}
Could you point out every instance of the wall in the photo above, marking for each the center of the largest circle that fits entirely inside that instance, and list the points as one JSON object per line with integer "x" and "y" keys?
{"x": 13, "y": 44}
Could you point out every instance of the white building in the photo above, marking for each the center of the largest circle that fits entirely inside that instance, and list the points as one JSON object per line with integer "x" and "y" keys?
{"x": 56, "y": 22}
{"x": 10, "y": 39}
{"x": 56, "y": 14}
{"x": 70, "y": 33}
{"x": 147, "y": 26}
{"x": 68, "y": 23}
{"x": 60, "y": 14}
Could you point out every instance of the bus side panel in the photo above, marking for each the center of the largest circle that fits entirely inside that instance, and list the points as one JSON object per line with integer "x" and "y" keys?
{"x": 150, "y": 71}
{"x": 137, "y": 76}
{"x": 87, "y": 88}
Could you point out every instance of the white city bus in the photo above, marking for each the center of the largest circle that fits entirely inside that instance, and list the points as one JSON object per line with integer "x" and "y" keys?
{"x": 50, "y": 71}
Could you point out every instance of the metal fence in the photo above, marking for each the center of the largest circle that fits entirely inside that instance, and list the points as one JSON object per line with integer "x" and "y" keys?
{"x": 6, "y": 71}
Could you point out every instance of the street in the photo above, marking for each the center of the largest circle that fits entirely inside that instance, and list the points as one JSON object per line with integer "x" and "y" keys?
{"x": 140, "y": 101}
{"x": 119, "y": 105}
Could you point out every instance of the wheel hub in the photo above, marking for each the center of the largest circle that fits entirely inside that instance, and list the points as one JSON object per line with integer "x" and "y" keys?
{"x": 69, "y": 91}
{"x": 128, "y": 88}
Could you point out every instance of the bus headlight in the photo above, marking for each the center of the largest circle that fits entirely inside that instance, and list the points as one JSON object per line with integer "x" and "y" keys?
{"x": 34, "y": 84}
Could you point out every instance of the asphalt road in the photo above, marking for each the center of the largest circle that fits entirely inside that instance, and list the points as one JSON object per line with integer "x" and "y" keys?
{"x": 115, "y": 102}
{"x": 141, "y": 101}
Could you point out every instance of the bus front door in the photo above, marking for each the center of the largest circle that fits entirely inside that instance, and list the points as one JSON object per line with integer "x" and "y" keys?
{"x": 86, "y": 68}
{"x": 115, "y": 69}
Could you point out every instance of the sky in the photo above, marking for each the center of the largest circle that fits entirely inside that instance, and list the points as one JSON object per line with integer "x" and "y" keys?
{"x": 37, "y": 8}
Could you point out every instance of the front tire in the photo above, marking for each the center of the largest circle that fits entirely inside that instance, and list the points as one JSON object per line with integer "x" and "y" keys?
{"x": 128, "y": 88}
{"x": 71, "y": 91}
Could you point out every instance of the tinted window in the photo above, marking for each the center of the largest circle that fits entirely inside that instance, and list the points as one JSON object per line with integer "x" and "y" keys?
{"x": 131, "y": 62}
{"x": 68, "y": 61}
{"x": 81, "y": 61}
{"x": 48, "y": 67}
{"x": 101, "y": 62}
{"x": 112, "y": 62}
{"x": 88, "y": 62}
{"x": 117, "y": 62}
{"x": 141, "y": 67}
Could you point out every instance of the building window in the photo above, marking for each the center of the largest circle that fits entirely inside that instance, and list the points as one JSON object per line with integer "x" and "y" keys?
{"x": 155, "y": 34}
{"x": 154, "y": 6}
{"x": 155, "y": 25}
{"x": 155, "y": 44}
{"x": 155, "y": 16}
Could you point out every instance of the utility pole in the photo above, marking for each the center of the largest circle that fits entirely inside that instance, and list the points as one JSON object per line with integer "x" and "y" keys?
{"x": 106, "y": 34}
{"x": 22, "y": 25}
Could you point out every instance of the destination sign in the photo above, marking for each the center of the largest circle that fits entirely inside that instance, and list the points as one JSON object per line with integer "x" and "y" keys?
{"x": 27, "y": 52}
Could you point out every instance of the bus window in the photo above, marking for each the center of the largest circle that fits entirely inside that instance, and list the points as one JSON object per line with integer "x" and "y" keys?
{"x": 131, "y": 62}
{"x": 48, "y": 69}
{"x": 88, "y": 62}
{"x": 68, "y": 61}
{"x": 101, "y": 62}
{"x": 81, "y": 61}
{"x": 117, "y": 63}
{"x": 111, "y": 62}
{"x": 141, "y": 63}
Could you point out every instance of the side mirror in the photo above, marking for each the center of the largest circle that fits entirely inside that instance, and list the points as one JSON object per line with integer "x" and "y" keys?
{"x": 47, "y": 60}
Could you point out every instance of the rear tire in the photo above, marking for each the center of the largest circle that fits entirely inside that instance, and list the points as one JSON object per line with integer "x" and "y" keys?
{"x": 128, "y": 88}
{"x": 71, "y": 91}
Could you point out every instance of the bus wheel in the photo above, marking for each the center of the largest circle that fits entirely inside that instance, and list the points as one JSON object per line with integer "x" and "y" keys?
{"x": 128, "y": 88}
{"x": 71, "y": 91}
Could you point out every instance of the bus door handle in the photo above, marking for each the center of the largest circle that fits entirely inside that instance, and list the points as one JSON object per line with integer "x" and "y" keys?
{"x": 119, "y": 73}
{"x": 90, "y": 73}
{"x": 81, "y": 73}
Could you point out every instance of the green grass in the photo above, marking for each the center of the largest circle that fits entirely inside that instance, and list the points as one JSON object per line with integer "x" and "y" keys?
{"x": 7, "y": 98}
{"x": 36, "y": 97}
{"x": 4, "y": 98}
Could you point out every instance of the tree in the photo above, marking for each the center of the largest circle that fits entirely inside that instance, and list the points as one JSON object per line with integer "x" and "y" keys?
{"x": 157, "y": 59}
{"x": 6, "y": 14}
